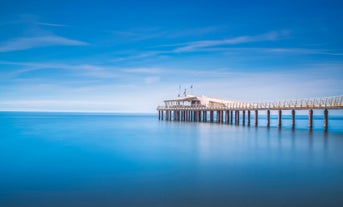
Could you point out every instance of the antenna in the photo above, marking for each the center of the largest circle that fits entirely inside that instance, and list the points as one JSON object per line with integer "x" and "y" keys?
{"x": 192, "y": 89}
{"x": 179, "y": 91}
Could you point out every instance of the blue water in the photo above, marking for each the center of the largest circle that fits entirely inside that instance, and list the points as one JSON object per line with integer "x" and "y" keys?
{"x": 73, "y": 159}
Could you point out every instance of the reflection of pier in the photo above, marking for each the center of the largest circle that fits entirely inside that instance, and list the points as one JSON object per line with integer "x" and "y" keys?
{"x": 198, "y": 109}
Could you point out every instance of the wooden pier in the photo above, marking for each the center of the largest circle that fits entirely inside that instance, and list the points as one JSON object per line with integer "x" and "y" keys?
{"x": 199, "y": 108}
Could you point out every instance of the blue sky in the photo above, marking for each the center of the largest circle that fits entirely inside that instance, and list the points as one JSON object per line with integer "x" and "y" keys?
{"x": 127, "y": 56}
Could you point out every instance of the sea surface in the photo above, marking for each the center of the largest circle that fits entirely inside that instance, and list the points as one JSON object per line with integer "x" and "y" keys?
{"x": 80, "y": 159}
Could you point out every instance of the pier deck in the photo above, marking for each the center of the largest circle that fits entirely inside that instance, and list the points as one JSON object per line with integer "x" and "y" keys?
{"x": 196, "y": 108}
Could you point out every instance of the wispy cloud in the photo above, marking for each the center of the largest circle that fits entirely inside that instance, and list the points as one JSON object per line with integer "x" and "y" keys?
{"x": 25, "y": 43}
{"x": 301, "y": 51}
{"x": 143, "y": 70}
{"x": 143, "y": 55}
{"x": 274, "y": 50}
{"x": 194, "y": 31}
{"x": 139, "y": 34}
{"x": 97, "y": 71}
{"x": 151, "y": 79}
{"x": 51, "y": 24}
{"x": 192, "y": 46}
{"x": 89, "y": 70}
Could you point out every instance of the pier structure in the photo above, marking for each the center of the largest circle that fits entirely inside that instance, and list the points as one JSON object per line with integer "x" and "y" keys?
{"x": 193, "y": 108}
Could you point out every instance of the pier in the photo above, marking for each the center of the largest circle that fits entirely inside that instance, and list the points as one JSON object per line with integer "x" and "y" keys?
{"x": 192, "y": 108}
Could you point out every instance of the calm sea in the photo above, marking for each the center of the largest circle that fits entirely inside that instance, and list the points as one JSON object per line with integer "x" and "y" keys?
{"x": 75, "y": 159}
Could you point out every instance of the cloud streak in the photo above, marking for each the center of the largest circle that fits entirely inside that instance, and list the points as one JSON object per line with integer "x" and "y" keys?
{"x": 193, "y": 46}
{"x": 25, "y": 43}
{"x": 50, "y": 24}
{"x": 143, "y": 70}
{"x": 89, "y": 70}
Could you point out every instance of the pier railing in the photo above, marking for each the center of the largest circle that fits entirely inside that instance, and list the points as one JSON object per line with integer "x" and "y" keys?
{"x": 334, "y": 102}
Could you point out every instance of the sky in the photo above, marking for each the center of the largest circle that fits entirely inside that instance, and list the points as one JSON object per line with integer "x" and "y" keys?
{"x": 128, "y": 56}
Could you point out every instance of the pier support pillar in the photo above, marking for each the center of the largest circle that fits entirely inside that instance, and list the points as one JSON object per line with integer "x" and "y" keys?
{"x": 310, "y": 119}
{"x": 243, "y": 118}
{"x": 280, "y": 119}
{"x": 231, "y": 116}
{"x": 167, "y": 115}
{"x": 326, "y": 120}
{"x": 227, "y": 117}
{"x": 221, "y": 116}
{"x": 248, "y": 117}
{"x": 211, "y": 116}
{"x": 293, "y": 118}
{"x": 268, "y": 118}
{"x": 204, "y": 118}
{"x": 159, "y": 115}
{"x": 237, "y": 117}
{"x": 256, "y": 117}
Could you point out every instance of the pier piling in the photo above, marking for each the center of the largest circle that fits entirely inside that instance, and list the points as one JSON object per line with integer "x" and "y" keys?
{"x": 204, "y": 116}
{"x": 280, "y": 119}
{"x": 243, "y": 118}
{"x": 167, "y": 116}
{"x": 293, "y": 118}
{"x": 227, "y": 118}
{"x": 310, "y": 119}
{"x": 237, "y": 117}
{"x": 231, "y": 117}
{"x": 326, "y": 120}
{"x": 256, "y": 118}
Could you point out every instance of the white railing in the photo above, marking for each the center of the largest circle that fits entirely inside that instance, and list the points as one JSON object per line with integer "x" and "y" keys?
{"x": 334, "y": 102}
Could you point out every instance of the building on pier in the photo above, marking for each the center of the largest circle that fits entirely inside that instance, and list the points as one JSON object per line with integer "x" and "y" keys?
{"x": 197, "y": 101}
